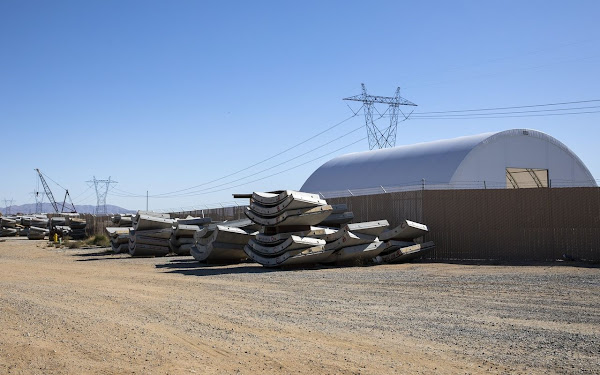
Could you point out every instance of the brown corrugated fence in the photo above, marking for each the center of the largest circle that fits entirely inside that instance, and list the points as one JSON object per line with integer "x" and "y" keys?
{"x": 507, "y": 224}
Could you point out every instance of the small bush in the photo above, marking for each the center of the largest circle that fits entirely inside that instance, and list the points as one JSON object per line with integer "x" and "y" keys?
{"x": 73, "y": 244}
{"x": 98, "y": 240}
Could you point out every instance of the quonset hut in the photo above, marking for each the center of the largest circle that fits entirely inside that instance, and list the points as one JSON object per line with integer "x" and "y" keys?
{"x": 517, "y": 158}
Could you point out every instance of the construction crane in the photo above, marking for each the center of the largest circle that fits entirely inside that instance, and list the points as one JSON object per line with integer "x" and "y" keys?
{"x": 51, "y": 196}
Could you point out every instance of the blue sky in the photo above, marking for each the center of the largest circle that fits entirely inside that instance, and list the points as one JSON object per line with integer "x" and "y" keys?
{"x": 162, "y": 96}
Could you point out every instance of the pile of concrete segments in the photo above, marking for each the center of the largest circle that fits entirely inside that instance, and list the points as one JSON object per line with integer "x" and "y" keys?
{"x": 182, "y": 235}
{"x": 119, "y": 233}
{"x": 295, "y": 228}
{"x": 8, "y": 226}
{"x": 223, "y": 242}
{"x": 38, "y": 227}
{"x": 156, "y": 234}
{"x": 70, "y": 225}
{"x": 150, "y": 234}
{"x": 34, "y": 227}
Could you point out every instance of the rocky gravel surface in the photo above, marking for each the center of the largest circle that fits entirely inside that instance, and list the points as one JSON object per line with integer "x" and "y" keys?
{"x": 88, "y": 311}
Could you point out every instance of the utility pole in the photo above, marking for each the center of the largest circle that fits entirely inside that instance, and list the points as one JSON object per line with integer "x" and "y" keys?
{"x": 101, "y": 187}
{"x": 146, "y": 200}
{"x": 377, "y": 137}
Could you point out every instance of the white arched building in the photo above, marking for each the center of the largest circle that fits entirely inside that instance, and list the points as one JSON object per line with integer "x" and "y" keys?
{"x": 517, "y": 158}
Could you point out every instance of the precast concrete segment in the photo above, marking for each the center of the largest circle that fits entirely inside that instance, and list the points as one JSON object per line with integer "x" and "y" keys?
{"x": 218, "y": 252}
{"x": 148, "y": 250}
{"x": 357, "y": 252}
{"x": 140, "y": 239}
{"x": 274, "y": 239}
{"x": 164, "y": 233}
{"x": 289, "y": 203}
{"x": 199, "y": 221}
{"x": 119, "y": 239}
{"x": 274, "y": 199}
{"x": 291, "y": 244}
{"x": 37, "y": 222}
{"x": 338, "y": 219}
{"x": 405, "y": 254}
{"x": 350, "y": 239}
{"x": 8, "y": 232}
{"x": 182, "y": 249}
{"x": 311, "y": 255}
{"x": 116, "y": 230}
{"x": 8, "y": 223}
{"x": 146, "y": 222}
{"x": 152, "y": 213}
{"x": 185, "y": 230}
{"x": 393, "y": 245}
{"x": 204, "y": 232}
{"x": 227, "y": 235}
{"x": 407, "y": 230}
{"x": 122, "y": 220}
{"x": 240, "y": 223}
{"x": 178, "y": 241}
{"x": 120, "y": 248}
{"x": 304, "y": 216}
{"x": 374, "y": 228}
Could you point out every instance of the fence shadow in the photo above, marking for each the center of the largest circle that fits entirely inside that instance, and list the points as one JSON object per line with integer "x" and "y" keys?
{"x": 514, "y": 263}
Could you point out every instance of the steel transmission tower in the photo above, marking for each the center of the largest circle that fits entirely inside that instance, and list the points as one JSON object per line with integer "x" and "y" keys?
{"x": 8, "y": 204}
{"x": 39, "y": 201}
{"x": 377, "y": 137}
{"x": 102, "y": 187}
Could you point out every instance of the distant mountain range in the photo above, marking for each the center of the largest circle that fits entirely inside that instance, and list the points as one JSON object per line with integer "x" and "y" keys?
{"x": 29, "y": 208}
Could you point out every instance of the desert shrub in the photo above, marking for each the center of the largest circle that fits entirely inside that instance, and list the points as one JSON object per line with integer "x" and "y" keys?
{"x": 73, "y": 244}
{"x": 98, "y": 240}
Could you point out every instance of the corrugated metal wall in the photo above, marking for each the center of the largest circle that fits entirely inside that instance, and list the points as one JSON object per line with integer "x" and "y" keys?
{"x": 507, "y": 224}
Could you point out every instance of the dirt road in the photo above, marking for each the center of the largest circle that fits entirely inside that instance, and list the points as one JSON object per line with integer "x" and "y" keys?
{"x": 91, "y": 312}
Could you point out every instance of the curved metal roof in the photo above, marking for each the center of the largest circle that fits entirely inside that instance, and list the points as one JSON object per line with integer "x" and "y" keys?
{"x": 437, "y": 162}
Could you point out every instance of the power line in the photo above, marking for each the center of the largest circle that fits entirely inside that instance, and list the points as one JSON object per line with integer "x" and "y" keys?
{"x": 508, "y": 113}
{"x": 284, "y": 171}
{"x": 481, "y": 116}
{"x": 514, "y": 107}
{"x": 262, "y": 161}
{"x": 264, "y": 170}
{"x": 173, "y": 193}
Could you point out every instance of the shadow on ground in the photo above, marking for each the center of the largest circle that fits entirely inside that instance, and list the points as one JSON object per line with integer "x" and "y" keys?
{"x": 507, "y": 263}
{"x": 194, "y": 268}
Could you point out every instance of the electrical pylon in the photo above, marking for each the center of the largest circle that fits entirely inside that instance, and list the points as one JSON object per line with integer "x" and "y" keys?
{"x": 102, "y": 187}
{"x": 8, "y": 204}
{"x": 39, "y": 201}
{"x": 377, "y": 137}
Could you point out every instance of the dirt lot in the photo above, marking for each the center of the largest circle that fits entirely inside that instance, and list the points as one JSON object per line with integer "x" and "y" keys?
{"x": 91, "y": 312}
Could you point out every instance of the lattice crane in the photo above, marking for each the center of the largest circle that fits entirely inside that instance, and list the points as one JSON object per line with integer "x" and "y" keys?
{"x": 51, "y": 196}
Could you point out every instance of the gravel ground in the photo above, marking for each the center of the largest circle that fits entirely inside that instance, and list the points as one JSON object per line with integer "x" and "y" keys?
{"x": 89, "y": 311}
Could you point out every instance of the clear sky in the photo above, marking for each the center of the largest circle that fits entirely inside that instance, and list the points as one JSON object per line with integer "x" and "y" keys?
{"x": 166, "y": 95}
